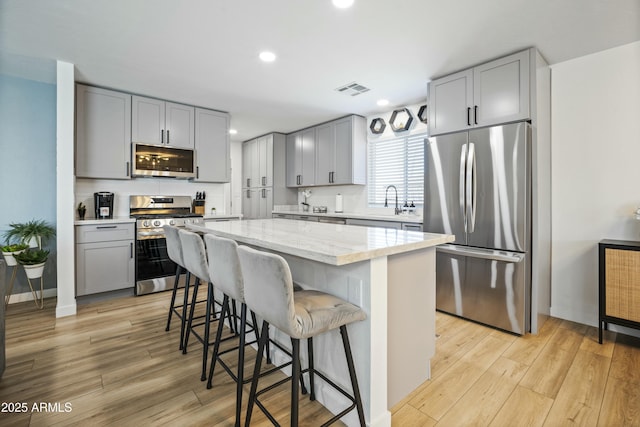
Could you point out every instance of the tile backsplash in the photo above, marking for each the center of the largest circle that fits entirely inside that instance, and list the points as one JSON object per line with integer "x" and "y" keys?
{"x": 218, "y": 195}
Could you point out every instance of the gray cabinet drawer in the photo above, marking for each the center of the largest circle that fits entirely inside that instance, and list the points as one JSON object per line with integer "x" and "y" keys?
{"x": 374, "y": 223}
{"x": 105, "y": 232}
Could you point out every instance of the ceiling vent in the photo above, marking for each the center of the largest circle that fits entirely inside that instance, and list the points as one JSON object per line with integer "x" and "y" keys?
{"x": 352, "y": 89}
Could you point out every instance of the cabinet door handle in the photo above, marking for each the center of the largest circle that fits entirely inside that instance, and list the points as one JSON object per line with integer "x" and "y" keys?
{"x": 127, "y": 169}
{"x": 264, "y": 193}
{"x": 248, "y": 182}
{"x": 468, "y": 116}
{"x": 475, "y": 114}
{"x": 167, "y": 136}
{"x": 162, "y": 136}
{"x": 131, "y": 249}
{"x": 197, "y": 172}
{"x": 264, "y": 180}
{"x": 106, "y": 226}
{"x": 248, "y": 194}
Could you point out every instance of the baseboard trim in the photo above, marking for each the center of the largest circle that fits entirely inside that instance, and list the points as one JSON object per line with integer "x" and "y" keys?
{"x": 28, "y": 296}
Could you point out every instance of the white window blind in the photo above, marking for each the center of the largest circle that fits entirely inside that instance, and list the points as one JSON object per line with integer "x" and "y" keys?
{"x": 399, "y": 162}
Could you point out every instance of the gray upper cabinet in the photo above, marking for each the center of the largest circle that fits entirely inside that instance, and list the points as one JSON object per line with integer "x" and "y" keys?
{"x": 492, "y": 93}
{"x": 212, "y": 146}
{"x": 155, "y": 121}
{"x": 328, "y": 154}
{"x": 341, "y": 152}
{"x": 103, "y": 133}
{"x": 257, "y": 162}
{"x": 301, "y": 158}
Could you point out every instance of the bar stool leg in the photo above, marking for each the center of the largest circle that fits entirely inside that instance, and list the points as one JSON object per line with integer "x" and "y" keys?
{"x": 243, "y": 329}
{"x": 207, "y": 328}
{"x": 173, "y": 296}
{"x": 185, "y": 304}
{"x": 264, "y": 337}
{"x": 303, "y": 389}
{"x": 352, "y": 374}
{"x": 190, "y": 320}
{"x": 216, "y": 345}
{"x": 312, "y": 393}
{"x": 295, "y": 377}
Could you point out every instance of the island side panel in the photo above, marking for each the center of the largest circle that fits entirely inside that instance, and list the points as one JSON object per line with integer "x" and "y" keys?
{"x": 365, "y": 285}
{"x": 411, "y": 321}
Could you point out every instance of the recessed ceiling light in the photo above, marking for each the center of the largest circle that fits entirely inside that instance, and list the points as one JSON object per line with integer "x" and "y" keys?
{"x": 232, "y": 131}
{"x": 267, "y": 56}
{"x": 342, "y": 4}
{"x": 383, "y": 102}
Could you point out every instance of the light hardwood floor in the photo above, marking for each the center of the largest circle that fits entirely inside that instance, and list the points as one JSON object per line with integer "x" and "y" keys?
{"x": 115, "y": 365}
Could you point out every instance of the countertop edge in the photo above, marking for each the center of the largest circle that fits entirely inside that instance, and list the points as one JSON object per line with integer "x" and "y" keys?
{"x": 350, "y": 258}
{"x": 415, "y": 219}
{"x": 93, "y": 221}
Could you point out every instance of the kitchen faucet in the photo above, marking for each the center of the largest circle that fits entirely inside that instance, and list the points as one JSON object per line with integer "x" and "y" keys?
{"x": 398, "y": 210}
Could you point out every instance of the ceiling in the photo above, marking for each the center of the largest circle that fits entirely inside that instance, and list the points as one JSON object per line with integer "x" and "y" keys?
{"x": 205, "y": 52}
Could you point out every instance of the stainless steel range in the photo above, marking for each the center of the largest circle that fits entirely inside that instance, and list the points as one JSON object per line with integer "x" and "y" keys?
{"x": 155, "y": 272}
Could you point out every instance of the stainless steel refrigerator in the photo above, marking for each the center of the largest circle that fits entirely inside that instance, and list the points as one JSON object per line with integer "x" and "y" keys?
{"x": 478, "y": 187}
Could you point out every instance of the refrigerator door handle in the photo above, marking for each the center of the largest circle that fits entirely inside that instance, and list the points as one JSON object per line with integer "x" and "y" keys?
{"x": 471, "y": 189}
{"x": 462, "y": 183}
{"x": 489, "y": 254}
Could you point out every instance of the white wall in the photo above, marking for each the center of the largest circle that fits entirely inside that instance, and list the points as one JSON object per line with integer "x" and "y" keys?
{"x": 595, "y": 171}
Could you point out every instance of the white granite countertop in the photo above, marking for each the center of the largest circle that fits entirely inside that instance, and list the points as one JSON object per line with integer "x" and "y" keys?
{"x": 93, "y": 221}
{"x": 416, "y": 219}
{"x": 334, "y": 244}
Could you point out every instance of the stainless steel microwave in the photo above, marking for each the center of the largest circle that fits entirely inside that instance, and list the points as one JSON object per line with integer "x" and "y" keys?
{"x": 163, "y": 161}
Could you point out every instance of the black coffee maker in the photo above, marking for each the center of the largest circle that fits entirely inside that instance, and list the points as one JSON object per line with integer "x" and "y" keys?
{"x": 103, "y": 202}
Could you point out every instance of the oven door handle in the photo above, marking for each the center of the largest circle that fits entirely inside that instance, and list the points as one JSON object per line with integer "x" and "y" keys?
{"x": 142, "y": 235}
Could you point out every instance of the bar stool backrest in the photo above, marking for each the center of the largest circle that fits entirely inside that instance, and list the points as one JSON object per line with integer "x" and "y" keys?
{"x": 224, "y": 266}
{"x": 174, "y": 246}
{"x": 268, "y": 288}
{"x": 194, "y": 254}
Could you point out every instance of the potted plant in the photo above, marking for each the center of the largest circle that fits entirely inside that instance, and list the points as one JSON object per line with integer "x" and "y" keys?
{"x": 32, "y": 233}
{"x": 82, "y": 210}
{"x": 9, "y": 252}
{"x": 33, "y": 261}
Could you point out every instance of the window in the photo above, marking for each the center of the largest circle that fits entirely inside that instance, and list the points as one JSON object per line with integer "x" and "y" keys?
{"x": 399, "y": 162}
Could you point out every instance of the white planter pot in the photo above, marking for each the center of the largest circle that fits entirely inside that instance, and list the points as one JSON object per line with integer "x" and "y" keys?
{"x": 34, "y": 271}
{"x": 9, "y": 258}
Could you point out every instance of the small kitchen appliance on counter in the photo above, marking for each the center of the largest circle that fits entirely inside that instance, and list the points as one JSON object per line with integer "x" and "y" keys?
{"x": 103, "y": 202}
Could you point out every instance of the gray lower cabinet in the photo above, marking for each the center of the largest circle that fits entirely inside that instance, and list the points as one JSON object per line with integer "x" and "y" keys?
{"x": 411, "y": 226}
{"x": 105, "y": 259}
{"x": 103, "y": 133}
{"x": 374, "y": 223}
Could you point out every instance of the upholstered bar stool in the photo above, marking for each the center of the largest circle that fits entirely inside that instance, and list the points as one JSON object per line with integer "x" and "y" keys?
{"x": 174, "y": 250}
{"x": 195, "y": 261}
{"x": 224, "y": 271}
{"x": 269, "y": 293}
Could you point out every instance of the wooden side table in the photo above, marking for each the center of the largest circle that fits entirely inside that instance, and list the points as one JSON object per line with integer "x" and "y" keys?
{"x": 619, "y": 284}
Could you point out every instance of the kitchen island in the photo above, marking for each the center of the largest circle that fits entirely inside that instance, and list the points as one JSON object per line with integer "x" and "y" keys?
{"x": 389, "y": 273}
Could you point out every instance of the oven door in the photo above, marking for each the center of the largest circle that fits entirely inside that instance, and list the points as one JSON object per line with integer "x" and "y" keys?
{"x": 155, "y": 272}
